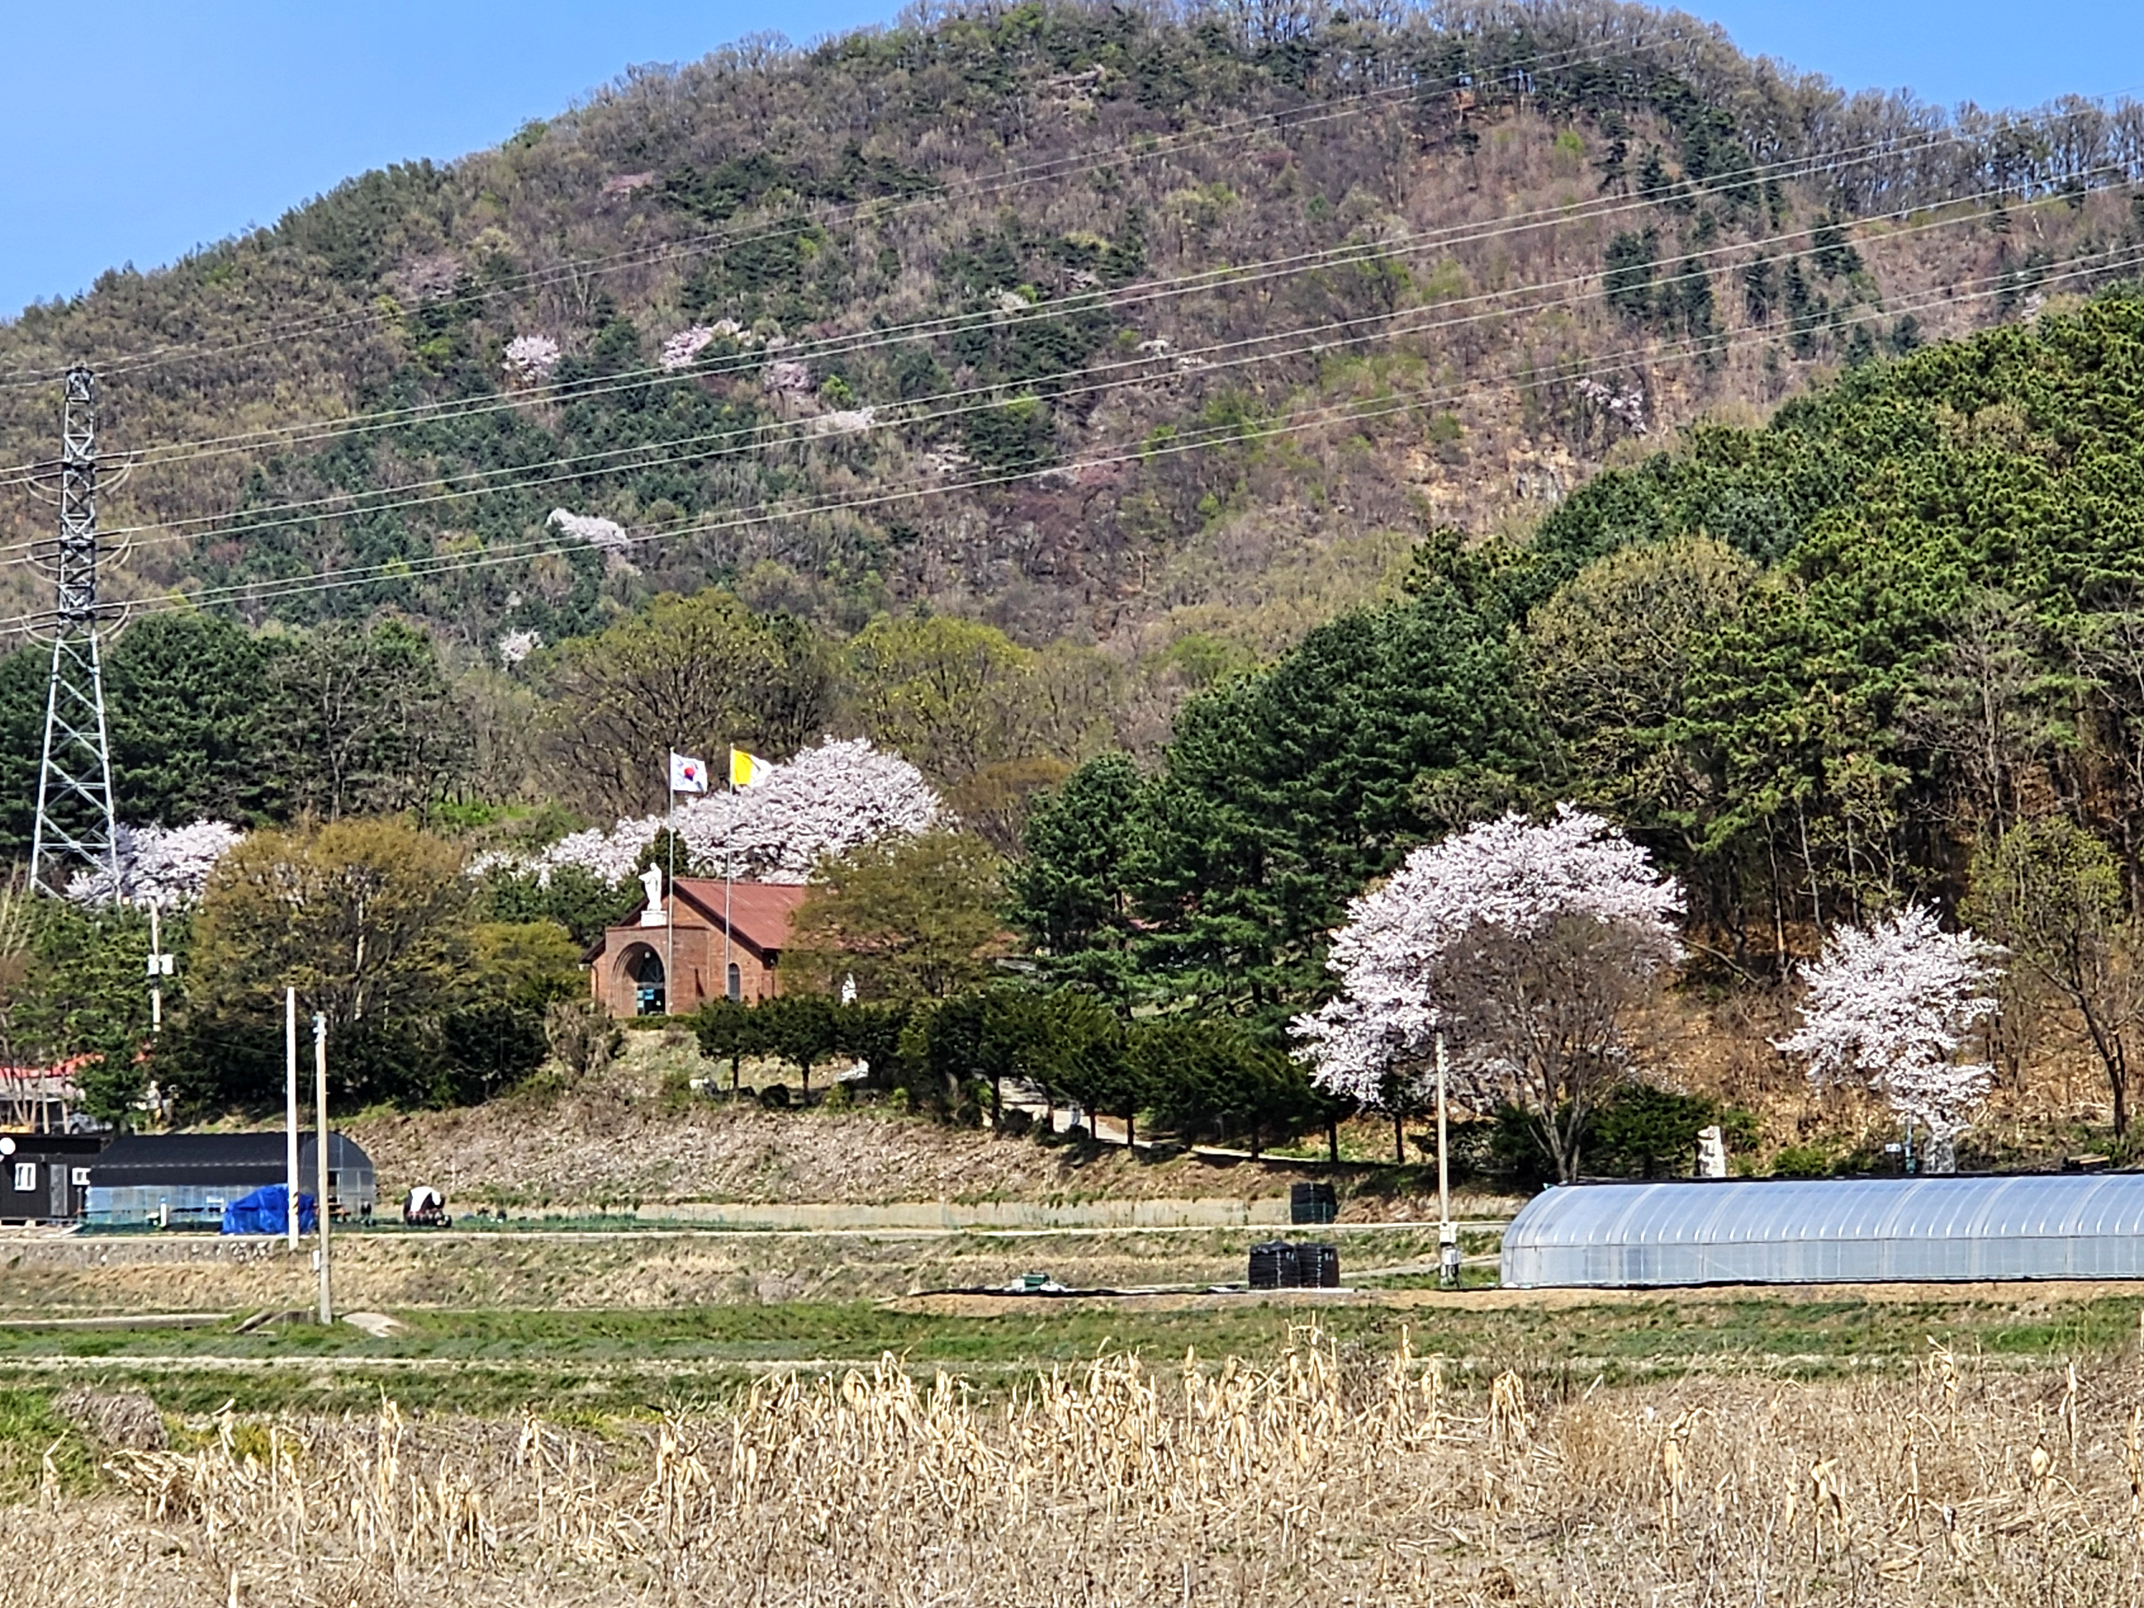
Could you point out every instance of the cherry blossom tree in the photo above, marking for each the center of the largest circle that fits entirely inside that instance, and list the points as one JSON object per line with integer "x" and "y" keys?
{"x": 683, "y": 349}
{"x": 1889, "y": 1006}
{"x": 531, "y": 358}
{"x": 1528, "y": 943}
{"x": 160, "y": 865}
{"x": 826, "y": 801}
{"x": 593, "y": 529}
{"x": 515, "y": 646}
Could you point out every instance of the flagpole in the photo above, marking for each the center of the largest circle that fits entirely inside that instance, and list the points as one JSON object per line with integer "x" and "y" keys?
{"x": 729, "y": 877}
{"x": 670, "y": 900}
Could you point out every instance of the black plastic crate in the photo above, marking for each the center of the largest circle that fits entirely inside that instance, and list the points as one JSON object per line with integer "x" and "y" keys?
{"x": 1312, "y": 1203}
{"x": 1279, "y": 1265}
{"x": 1318, "y": 1266}
{"x": 1274, "y": 1266}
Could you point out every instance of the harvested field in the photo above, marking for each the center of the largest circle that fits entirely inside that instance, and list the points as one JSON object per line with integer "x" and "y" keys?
{"x": 394, "y": 1270}
{"x": 1321, "y": 1473}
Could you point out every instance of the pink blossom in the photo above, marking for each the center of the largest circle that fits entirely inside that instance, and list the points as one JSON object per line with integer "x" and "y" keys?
{"x": 1889, "y": 1006}
{"x": 593, "y": 529}
{"x": 516, "y": 646}
{"x": 160, "y": 865}
{"x": 683, "y": 349}
{"x": 531, "y": 358}
{"x": 1401, "y": 955}
{"x": 827, "y": 800}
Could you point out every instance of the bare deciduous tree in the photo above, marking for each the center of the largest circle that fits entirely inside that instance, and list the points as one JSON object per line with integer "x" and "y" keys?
{"x": 694, "y": 674}
{"x": 2051, "y": 893}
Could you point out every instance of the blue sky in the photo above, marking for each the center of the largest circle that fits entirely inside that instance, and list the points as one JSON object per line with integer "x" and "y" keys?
{"x": 135, "y": 131}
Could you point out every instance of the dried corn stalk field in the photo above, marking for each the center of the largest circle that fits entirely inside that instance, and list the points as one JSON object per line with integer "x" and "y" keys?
{"x": 1322, "y": 1476}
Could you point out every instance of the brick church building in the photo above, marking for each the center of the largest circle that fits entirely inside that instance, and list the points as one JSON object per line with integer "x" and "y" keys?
{"x": 645, "y": 968}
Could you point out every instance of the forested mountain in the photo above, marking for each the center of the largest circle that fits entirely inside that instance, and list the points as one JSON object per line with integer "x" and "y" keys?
{"x": 1221, "y": 450}
{"x": 1820, "y": 667}
{"x": 992, "y": 383}
{"x": 1167, "y": 332}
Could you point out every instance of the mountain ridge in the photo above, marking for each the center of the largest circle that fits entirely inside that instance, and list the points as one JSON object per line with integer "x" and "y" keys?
{"x": 1697, "y": 232}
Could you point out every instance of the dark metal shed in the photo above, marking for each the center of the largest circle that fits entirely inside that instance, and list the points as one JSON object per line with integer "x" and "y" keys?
{"x": 188, "y": 1178}
{"x": 44, "y": 1176}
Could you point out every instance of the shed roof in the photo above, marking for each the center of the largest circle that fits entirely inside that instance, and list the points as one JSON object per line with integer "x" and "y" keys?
{"x": 221, "y": 1158}
{"x": 53, "y": 1144}
{"x": 1818, "y": 1231}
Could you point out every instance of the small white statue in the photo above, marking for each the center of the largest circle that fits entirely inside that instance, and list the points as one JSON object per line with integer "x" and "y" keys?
{"x": 1711, "y": 1153}
{"x": 653, "y": 914}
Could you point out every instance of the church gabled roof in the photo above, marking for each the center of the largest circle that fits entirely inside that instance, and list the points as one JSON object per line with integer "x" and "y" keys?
{"x": 760, "y": 913}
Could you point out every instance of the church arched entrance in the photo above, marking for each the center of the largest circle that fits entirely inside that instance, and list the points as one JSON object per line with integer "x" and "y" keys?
{"x": 643, "y": 968}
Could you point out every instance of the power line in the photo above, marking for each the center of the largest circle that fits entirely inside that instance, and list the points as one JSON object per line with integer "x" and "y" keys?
{"x": 1342, "y": 333}
{"x": 1301, "y": 422}
{"x": 1135, "y": 295}
{"x": 1016, "y": 177}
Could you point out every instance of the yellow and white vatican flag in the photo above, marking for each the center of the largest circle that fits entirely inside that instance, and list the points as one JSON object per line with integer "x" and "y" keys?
{"x": 687, "y": 775}
{"x": 748, "y": 770}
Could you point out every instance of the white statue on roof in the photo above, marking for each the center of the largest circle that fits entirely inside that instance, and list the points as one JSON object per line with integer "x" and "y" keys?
{"x": 653, "y": 914}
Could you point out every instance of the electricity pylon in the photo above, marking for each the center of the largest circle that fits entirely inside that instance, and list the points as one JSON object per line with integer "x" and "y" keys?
{"x": 75, "y": 823}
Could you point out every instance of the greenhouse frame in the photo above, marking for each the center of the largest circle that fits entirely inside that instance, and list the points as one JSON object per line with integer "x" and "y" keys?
{"x": 1829, "y": 1231}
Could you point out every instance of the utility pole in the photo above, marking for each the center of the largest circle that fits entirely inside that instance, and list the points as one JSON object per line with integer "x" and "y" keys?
{"x": 1447, "y": 1230}
{"x": 75, "y": 822}
{"x": 290, "y": 1111}
{"x": 160, "y": 967}
{"x": 320, "y": 1103}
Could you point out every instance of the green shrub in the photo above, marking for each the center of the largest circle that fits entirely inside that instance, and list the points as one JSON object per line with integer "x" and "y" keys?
{"x": 1640, "y": 1131}
{"x": 1805, "y": 1161}
{"x": 29, "y": 1428}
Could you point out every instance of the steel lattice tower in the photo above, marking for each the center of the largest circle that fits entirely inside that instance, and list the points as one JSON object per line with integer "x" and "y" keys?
{"x": 75, "y": 823}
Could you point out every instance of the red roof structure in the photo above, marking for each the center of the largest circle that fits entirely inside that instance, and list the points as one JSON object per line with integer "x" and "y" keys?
{"x": 760, "y": 913}
{"x": 648, "y": 966}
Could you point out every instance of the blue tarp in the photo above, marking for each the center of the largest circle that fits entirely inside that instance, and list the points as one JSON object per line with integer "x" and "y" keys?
{"x": 267, "y": 1211}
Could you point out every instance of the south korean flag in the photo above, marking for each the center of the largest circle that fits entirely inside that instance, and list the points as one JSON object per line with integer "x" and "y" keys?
{"x": 687, "y": 775}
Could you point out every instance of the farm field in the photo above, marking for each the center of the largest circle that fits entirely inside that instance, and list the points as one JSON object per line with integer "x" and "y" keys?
{"x": 637, "y": 1269}
{"x": 626, "y": 1362}
{"x": 1969, "y": 1445}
